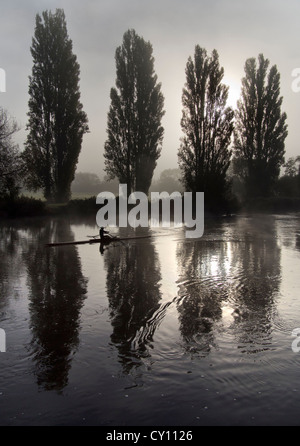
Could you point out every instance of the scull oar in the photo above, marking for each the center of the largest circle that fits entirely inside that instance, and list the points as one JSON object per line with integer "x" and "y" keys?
{"x": 97, "y": 240}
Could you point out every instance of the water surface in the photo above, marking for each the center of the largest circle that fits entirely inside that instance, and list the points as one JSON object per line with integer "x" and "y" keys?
{"x": 158, "y": 331}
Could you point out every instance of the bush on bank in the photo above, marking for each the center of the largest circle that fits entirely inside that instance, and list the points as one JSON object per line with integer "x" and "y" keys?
{"x": 22, "y": 207}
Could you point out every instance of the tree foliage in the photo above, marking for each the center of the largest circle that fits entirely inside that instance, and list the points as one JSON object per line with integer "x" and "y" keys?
{"x": 57, "y": 121}
{"x": 134, "y": 126}
{"x": 86, "y": 183}
{"x": 169, "y": 181}
{"x": 11, "y": 168}
{"x": 292, "y": 167}
{"x": 289, "y": 183}
{"x": 260, "y": 127}
{"x": 207, "y": 124}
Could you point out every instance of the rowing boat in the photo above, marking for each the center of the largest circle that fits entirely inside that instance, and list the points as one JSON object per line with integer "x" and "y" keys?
{"x": 106, "y": 241}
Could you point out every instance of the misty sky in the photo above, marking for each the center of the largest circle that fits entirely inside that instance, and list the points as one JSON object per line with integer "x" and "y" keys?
{"x": 237, "y": 29}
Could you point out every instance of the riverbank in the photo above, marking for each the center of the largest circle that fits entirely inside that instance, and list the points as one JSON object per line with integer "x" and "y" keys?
{"x": 32, "y": 207}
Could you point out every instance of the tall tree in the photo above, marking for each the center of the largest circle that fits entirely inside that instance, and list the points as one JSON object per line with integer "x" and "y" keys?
{"x": 134, "y": 126}
{"x": 11, "y": 167}
{"x": 261, "y": 128}
{"x": 57, "y": 121}
{"x": 207, "y": 124}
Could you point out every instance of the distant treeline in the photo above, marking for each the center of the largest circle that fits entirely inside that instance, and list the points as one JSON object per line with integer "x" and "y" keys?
{"x": 285, "y": 198}
{"x": 87, "y": 184}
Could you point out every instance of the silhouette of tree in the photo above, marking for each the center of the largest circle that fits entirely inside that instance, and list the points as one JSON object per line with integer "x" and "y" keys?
{"x": 292, "y": 167}
{"x": 207, "y": 124}
{"x": 134, "y": 126}
{"x": 289, "y": 183}
{"x": 10, "y": 160}
{"x": 57, "y": 122}
{"x": 261, "y": 128}
{"x": 169, "y": 181}
{"x": 86, "y": 182}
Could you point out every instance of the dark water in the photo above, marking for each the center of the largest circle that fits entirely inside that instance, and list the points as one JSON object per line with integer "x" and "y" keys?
{"x": 158, "y": 331}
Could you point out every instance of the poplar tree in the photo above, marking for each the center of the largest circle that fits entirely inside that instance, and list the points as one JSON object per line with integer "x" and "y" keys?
{"x": 134, "y": 128}
{"x": 261, "y": 127}
{"x": 57, "y": 121}
{"x": 207, "y": 124}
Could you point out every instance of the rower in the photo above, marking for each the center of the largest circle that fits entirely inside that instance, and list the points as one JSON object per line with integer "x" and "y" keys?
{"x": 102, "y": 233}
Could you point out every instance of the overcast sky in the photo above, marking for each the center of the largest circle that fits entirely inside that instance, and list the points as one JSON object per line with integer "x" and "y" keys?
{"x": 237, "y": 29}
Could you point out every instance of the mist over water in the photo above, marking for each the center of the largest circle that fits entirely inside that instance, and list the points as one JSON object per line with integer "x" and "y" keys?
{"x": 156, "y": 331}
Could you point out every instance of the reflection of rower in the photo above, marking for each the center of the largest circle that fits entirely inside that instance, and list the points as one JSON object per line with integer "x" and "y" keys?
{"x": 101, "y": 248}
{"x": 103, "y": 237}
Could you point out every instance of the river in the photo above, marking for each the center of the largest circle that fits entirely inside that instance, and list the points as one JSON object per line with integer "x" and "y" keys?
{"x": 159, "y": 331}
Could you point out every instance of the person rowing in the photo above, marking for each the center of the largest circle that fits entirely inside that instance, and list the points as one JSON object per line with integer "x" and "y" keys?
{"x": 102, "y": 233}
{"x": 105, "y": 235}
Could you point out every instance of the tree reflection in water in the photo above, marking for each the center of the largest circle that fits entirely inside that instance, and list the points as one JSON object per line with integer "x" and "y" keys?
{"x": 57, "y": 292}
{"x": 235, "y": 275}
{"x": 11, "y": 264}
{"x": 133, "y": 290}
